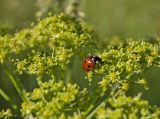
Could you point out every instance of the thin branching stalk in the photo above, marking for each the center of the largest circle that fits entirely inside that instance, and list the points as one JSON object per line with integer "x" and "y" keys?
{"x": 95, "y": 110}
{"x": 8, "y": 99}
{"x": 15, "y": 83}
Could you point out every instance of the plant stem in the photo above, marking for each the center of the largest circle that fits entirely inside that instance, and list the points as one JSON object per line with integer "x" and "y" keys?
{"x": 17, "y": 85}
{"x": 95, "y": 110}
{"x": 5, "y": 96}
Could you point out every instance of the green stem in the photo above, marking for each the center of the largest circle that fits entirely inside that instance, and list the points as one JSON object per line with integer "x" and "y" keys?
{"x": 16, "y": 84}
{"x": 5, "y": 96}
{"x": 95, "y": 110}
{"x": 89, "y": 109}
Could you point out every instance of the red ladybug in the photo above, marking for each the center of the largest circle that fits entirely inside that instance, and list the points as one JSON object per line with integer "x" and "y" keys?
{"x": 90, "y": 62}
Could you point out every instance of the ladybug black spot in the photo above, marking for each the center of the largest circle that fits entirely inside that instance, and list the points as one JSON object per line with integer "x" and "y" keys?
{"x": 96, "y": 59}
{"x": 89, "y": 66}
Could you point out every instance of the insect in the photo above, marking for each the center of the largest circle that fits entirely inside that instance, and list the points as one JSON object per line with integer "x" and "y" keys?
{"x": 90, "y": 62}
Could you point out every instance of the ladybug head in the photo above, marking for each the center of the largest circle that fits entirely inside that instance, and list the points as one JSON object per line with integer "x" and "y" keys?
{"x": 88, "y": 64}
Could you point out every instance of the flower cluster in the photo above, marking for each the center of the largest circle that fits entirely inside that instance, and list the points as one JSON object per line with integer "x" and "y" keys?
{"x": 6, "y": 114}
{"x": 47, "y": 47}
{"x": 127, "y": 107}
{"x": 54, "y": 100}
{"x": 121, "y": 63}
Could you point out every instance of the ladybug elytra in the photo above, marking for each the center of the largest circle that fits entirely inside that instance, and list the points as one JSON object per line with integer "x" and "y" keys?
{"x": 90, "y": 62}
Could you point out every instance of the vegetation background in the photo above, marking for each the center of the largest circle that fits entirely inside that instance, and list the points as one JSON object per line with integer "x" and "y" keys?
{"x": 125, "y": 18}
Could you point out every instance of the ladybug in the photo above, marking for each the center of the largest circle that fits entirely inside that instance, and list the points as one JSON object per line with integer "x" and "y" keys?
{"x": 90, "y": 62}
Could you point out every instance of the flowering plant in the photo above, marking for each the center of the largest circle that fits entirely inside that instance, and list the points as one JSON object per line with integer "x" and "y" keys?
{"x": 47, "y": 53}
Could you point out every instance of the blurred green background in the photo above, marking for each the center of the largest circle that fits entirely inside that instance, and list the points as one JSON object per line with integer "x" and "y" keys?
{"x": 130, "y": 18}
{"x": 125, "y": 18}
